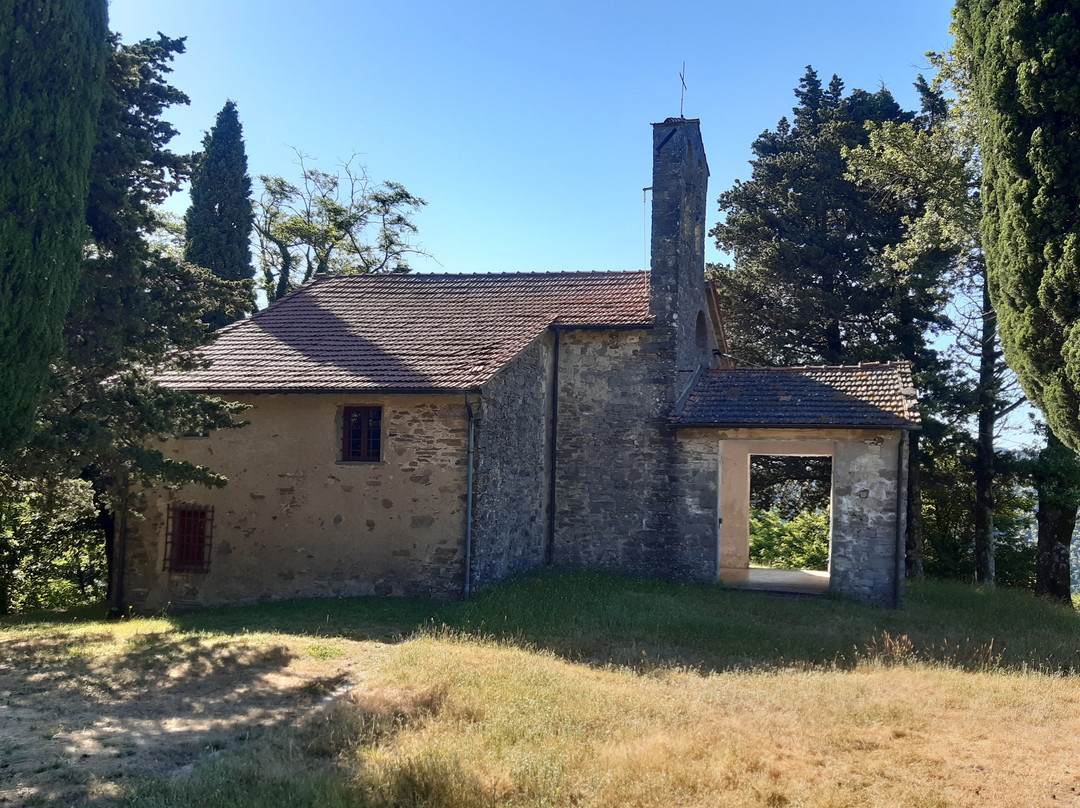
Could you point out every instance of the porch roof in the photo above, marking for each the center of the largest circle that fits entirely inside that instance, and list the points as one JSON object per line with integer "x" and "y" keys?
{"x": 863, "y": 396}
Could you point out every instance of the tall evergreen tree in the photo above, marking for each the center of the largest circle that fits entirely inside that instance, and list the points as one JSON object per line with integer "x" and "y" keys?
{"x": 935, "y": 159}
{"x": 138, "y": 310}
{"x": 218, "y": 223}
{"x": 812, "y": 279}
{"x": 1023, "y": 60}
{"x": 52, "y": 62}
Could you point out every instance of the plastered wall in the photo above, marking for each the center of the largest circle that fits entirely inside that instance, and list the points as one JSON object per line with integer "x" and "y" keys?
{"x": 295, "y": 521}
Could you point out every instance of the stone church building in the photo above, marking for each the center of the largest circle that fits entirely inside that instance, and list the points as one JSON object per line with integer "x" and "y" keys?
{"x": 429, "y": 435}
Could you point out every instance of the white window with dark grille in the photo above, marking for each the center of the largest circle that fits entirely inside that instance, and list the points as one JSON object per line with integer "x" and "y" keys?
{"x": 189, "y": 530}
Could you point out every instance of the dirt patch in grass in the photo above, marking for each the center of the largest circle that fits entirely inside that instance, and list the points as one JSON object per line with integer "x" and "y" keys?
{"x": 84, "y": 710}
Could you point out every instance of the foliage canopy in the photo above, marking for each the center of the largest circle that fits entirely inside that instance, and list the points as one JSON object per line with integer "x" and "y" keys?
{"x": 138, "y": 310}
{"x": 332, "y": 223}
{"x": 52, "y": 63}
{"x": 817, "y": 276}
{"x": 1023, "y": 62}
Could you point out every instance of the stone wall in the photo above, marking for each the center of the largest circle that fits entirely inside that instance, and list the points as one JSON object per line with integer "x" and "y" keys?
{"x": 618, "y": 483}
{"x": 296, "y": 521}
{"x": 863, "y": 556}
{"x": 696, "y": 510}
{"x": 863, "y": 550}
{"x": 512, "y": 482}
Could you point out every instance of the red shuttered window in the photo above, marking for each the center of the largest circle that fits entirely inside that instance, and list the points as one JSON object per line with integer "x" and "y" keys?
{"x": 188, "y": 533}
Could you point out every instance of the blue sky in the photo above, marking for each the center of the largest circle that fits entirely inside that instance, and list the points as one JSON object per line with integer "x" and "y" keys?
{"x": 524, "y": 125}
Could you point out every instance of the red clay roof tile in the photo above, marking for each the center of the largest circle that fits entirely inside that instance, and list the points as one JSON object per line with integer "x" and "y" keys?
{"x": 417, "y": 332}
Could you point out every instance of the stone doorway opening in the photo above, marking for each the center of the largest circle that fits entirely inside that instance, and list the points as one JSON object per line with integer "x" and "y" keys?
{"x": 776, "y": 501}
{"x": 789, "y": 511}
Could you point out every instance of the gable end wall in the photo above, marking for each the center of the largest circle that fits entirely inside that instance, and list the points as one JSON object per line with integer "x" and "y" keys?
{"x": 512, "y": 463}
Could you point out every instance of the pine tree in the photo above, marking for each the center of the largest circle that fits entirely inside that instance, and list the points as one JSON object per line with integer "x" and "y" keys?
{"x": 820, "y": 271}
{"x": 52, "y": 61}
{"x": 1023, "y": 60}
{"x": 218, "y": 223}
{"x": 812, "y": 280}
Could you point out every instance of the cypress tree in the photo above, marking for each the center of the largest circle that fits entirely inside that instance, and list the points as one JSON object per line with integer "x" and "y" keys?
{"x": 138, "y": 310}
{"x": 52, "y": 63}
{"x": 1023, "y": 61}
{"x": 218, "y": 223}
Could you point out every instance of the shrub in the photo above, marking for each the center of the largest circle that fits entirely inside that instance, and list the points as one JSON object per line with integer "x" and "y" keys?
{"x": 799, "y": 543}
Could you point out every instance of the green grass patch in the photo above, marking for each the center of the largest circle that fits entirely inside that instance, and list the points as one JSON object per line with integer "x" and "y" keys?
{"x": 602, "y": 618}
{"x": 610, "y": 619}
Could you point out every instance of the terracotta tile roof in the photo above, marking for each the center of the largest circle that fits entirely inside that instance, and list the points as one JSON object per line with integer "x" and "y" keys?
{"x": 365, "y": 332}
{"x": 870, "y": 394}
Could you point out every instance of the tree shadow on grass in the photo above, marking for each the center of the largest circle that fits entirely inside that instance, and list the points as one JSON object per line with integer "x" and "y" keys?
{"x": 602, "y": 619}
{"x": 606, "y": 619}
{"x": 82, "y": 709}
{"x": 359, "y": 618}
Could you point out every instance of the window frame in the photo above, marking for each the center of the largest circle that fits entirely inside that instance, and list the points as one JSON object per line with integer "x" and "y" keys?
{"x": 368, "y": 445}
{"x": 189, "y": 537}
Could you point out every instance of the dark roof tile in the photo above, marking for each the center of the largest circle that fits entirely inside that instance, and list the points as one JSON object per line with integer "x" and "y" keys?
{"x": 865, "y": 395}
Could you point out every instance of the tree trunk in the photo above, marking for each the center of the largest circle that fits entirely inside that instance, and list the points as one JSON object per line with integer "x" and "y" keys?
{"x": 984, "y": 503}
{"x": 834, "y": 343}
{"x": 107, "y": 522}
{"x": 1057, "y": 481}
{"x": 913, "y": 538}
{"x": 984, "y": 448}
{"x": 909, "y": 336}
{"x": 1052, "y": 576}
{"x": 7, "y": 570}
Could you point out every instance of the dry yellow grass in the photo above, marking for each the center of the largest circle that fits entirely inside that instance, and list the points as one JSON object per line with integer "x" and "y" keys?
{"x": 496, "y": 725}
{"x": 966, "y": 698}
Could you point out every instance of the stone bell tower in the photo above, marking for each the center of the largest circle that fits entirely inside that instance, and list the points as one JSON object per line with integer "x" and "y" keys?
{"x": 680, "y": 188}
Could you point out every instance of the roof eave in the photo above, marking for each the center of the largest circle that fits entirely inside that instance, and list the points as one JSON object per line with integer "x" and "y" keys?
{"x": 278, "y": 391}
{"x": 600, "y": 327}
{"x": 759, "y": 425}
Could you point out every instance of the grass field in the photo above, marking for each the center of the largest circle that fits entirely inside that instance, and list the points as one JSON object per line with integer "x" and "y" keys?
{"x": 560, "y": 690}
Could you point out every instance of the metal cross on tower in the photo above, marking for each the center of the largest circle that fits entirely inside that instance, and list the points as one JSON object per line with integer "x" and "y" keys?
{"x": 682, "y": 93}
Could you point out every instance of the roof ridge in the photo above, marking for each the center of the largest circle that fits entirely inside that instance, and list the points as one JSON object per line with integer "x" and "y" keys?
{"x": 891, "y": 364}
{"x": 453, "y": 275}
